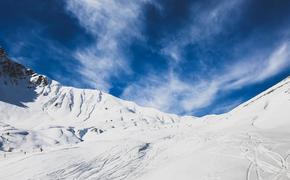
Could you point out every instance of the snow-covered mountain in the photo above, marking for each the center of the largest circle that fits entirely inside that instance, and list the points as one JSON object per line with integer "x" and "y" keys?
{"x": 50, "y": 131}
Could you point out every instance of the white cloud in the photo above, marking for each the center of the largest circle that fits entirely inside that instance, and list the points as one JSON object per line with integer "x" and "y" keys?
{"x": 97, "y": 70}
{"x": 113, "y": 23}
{"x": 279, "y": 60}
{"x": 172, "y": 94}
{"x": 116, "y": 23}
{"x": 256, "y": 68}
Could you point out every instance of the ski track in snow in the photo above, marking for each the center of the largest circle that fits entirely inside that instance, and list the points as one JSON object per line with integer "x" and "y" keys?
{"x": 115, "y": 164}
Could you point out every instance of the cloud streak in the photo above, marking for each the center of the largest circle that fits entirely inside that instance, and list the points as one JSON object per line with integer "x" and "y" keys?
{"x": 173, "y": 94}
{"x": 257, "y": 68}
{"x": 114, "y": 24}
{"x": 170, "y": 93}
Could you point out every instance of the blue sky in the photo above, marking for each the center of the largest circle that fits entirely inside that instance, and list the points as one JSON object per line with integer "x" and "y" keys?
{"x": 180, "y": 56}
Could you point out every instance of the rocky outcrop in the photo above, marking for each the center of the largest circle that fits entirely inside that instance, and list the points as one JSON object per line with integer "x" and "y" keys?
{"x": 2, "y": 52}
{"x": 15, "y": 72}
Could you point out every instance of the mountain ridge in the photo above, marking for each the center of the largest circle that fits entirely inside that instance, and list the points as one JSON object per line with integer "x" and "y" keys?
{"x": 60, "y": 132}
{"x": 93, "y": 110}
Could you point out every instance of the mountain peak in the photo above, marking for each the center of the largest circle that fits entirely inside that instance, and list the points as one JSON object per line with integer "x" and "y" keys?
{"x": 12, "y": 72}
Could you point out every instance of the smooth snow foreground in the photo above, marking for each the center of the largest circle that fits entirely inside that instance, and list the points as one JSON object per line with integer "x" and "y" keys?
{"x": 48, "y": 131}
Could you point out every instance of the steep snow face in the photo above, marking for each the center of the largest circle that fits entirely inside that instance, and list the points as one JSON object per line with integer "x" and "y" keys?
{"x": 17, "y": 83}
{"x": 49, "y": 131}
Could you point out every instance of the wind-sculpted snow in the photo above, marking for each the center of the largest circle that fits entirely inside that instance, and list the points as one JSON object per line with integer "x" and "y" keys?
{"x": 50, "y": 131}
{"x": 24, "y": 141}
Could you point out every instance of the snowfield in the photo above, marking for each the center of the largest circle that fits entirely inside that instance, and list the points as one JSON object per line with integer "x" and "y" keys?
{"x": 49, "y": 131}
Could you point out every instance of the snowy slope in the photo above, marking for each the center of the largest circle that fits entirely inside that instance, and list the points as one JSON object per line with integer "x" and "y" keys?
{"x": 49, "y": 131}
{"x": 31, "y": 102}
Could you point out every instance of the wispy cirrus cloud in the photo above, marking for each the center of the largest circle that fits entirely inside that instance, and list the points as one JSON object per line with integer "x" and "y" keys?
{"x": 170, "y": 93}
{"x": 257, "y": 67}
{"x": 114, "y": 24}
{"x": 173, "y": 94}
{"x": 180, "y": 56}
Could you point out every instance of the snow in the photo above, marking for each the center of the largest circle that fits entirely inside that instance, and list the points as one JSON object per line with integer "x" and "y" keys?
{"x": 50, "y": 131}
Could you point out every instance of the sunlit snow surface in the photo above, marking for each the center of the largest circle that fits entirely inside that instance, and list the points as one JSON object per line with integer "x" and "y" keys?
{"x": 67, "y": 133}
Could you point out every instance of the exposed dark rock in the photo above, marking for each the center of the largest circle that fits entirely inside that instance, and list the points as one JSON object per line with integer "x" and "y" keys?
{"x": 2, "y": 52}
